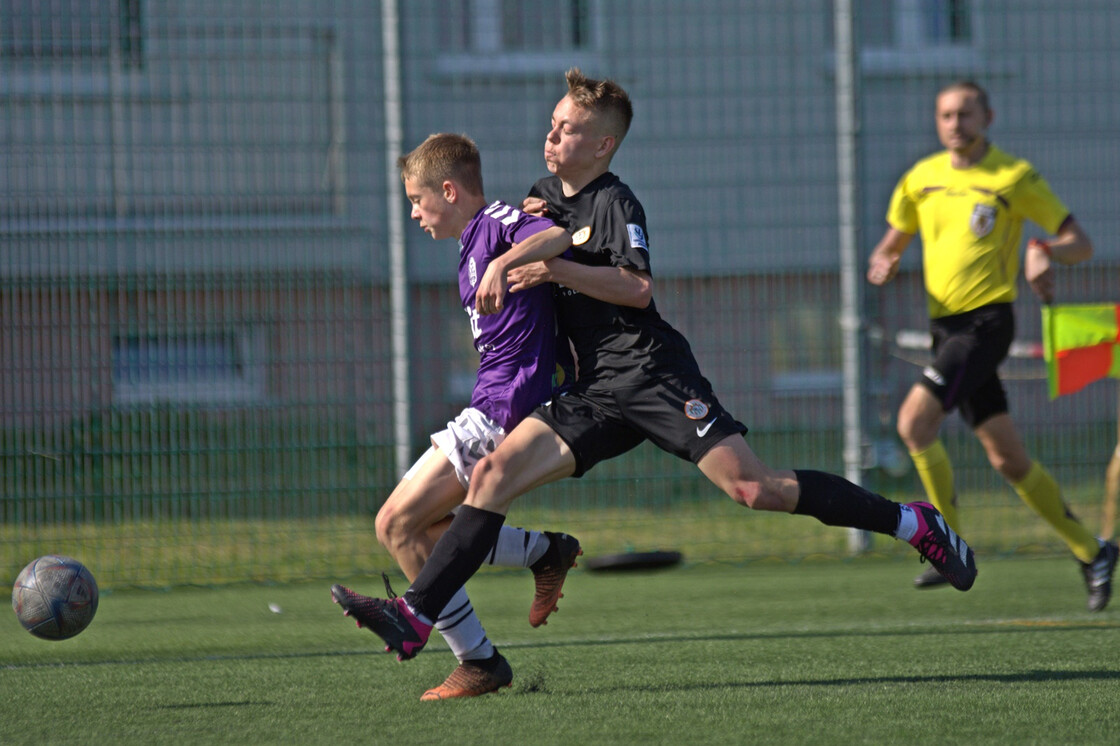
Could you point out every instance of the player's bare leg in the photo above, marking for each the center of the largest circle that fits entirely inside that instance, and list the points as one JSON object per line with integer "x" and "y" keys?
{"x": 532, "y": 455}
{"x": 733, "y": 467}
{"x": 418, "y": 511}
{"x": 409, "y": 524}
{"x": 835, "y": 501}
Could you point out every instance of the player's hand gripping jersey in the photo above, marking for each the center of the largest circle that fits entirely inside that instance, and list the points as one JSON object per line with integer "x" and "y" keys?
{"x": 518, "y": 361}
{"x": 616, "y": 346}
{"x": 971, "y": 222}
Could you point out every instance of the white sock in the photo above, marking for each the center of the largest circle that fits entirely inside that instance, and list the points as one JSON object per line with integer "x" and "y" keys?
{"x": 462, "y": 629}
{"x": 517, "y": 547}
{"x": 907, "y": 524}
{"x": 418, "y": 615}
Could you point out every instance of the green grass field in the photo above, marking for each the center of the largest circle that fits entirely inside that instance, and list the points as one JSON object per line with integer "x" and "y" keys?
{"x": 818, "y": 651}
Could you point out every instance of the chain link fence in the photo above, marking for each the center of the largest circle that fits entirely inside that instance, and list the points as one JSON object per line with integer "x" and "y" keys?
{"x": 201, "y": 309}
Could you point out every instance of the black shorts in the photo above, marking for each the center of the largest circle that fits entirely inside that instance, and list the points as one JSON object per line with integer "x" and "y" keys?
{"x": 967, "y": 351}
{"x": 681, "y": 416}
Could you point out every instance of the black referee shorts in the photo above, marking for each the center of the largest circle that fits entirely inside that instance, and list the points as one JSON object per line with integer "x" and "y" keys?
{"x": 678, "y": 415}
{"x": 967, "y": 351}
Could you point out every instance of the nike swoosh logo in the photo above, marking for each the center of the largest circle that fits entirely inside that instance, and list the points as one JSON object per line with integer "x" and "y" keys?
{"x": 702, "y": 431}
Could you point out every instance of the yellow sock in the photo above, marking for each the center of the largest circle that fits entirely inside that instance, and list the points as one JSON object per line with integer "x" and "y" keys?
{"x": 1039, "y": 490}
{"x": 936, "y": 473}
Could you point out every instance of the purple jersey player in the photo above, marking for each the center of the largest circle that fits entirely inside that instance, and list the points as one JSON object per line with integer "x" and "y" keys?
{"x": 517, "y": 359}
{"x": 518, "y": 347}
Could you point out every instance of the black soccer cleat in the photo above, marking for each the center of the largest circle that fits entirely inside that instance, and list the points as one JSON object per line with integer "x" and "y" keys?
{"x": 390, "y": 619}
{"x": 946, "y": 552}
{"x": 1098, "y": 575}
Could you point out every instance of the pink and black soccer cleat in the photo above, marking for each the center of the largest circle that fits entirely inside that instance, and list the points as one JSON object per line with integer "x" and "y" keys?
{"x": 947, "y": 552}
{"x": 389, "y": 619}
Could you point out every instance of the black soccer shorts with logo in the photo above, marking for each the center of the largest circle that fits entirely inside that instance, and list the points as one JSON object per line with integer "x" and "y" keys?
{"x": 967, "y": 351}
{"x": 679, "y": 415}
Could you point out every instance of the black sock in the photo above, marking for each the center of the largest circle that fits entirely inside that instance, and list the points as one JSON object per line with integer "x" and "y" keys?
{"x": 455, "y": 558}
{"x": 487, "y": 664}
{"x": 834, "y": 501}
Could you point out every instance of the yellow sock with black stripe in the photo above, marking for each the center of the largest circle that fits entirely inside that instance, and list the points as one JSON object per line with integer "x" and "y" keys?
{"x": 936, "y": 472}
{"x": 1039, "y": 490}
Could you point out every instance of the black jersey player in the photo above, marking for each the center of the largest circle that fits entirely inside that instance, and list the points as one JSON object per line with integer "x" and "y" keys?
{"x": 637, "y": 380}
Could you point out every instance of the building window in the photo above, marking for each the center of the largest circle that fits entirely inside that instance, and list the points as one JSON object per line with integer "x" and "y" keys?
{"x": 919, "y": 24}
{"x": 496, "y": 26}
{"x": 515, "y": 36}
{"x": 900, "y": 36}
{"x": 219, "y": 367}
{"x": 805, "y": 355}
{"x": 241, "y": 124}
{"x": 947, "y": 21}
{"x": 56, "y": 30}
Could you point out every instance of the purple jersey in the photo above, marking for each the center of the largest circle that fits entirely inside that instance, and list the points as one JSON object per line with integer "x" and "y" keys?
{"x": 517, "y": 345}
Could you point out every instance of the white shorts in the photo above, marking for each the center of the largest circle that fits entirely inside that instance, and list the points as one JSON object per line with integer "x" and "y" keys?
{"x": 467, "y": 439}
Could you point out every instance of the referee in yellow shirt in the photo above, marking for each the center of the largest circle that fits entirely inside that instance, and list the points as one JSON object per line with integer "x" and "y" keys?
{"x": 969, "y": 203}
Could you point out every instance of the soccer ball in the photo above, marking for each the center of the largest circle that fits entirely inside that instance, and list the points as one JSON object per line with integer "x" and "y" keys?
{"x": 55, "y": 597}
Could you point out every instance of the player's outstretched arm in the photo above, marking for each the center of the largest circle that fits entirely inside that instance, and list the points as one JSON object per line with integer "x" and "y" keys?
{"x": 491, "y": 292}
{"x": 621, "y": 286}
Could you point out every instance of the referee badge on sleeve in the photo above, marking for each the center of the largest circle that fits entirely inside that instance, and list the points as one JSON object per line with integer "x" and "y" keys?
{"x": 983, "y": 220}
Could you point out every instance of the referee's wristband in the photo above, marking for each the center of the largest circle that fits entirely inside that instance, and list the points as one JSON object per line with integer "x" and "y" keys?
{"x": 1043, "y": 246}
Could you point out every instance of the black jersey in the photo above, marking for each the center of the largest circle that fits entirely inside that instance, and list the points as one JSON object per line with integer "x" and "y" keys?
{"x": 616, "y": 346}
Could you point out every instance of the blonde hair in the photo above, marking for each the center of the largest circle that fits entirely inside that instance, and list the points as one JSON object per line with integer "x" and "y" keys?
{"x": 444, "y": 157}
{"x": 604, "y": 98}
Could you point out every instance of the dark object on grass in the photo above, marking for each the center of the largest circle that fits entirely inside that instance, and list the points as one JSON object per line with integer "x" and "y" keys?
{"x": 633, "y": 561}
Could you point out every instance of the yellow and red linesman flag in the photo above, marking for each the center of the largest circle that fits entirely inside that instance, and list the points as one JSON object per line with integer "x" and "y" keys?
{"x": 1081, "y": 344}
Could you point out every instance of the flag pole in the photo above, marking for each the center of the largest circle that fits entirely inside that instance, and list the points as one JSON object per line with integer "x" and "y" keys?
{"x": 1111, "y": 486}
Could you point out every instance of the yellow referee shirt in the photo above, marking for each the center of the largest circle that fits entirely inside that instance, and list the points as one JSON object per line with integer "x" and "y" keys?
{"x": 971, "y": 221}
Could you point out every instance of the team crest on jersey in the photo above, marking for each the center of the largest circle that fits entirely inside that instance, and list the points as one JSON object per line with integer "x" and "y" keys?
{"x": 983, "y": 220}
{"x": 472, "y": 268}
{"x": 694, "y": 409}
{"x": 579, "y": 238}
